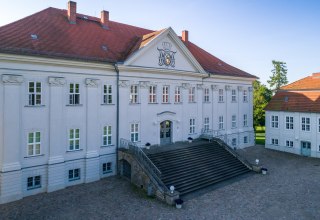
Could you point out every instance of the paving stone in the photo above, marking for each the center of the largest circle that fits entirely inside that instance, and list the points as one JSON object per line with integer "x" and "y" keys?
{"x": 290, "y": 190}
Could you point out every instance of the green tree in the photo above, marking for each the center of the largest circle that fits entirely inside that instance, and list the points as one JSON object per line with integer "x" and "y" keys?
{"x": 279, "y": 75}
{"x": 261, "y": 96}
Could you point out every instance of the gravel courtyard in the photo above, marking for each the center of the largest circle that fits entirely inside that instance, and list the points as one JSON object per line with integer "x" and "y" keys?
{"x": 290, "y": 190}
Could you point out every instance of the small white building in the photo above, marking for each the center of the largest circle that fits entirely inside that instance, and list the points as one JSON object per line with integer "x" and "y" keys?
{"x": 72, "y": 85}
{"x": 293, "y": 118}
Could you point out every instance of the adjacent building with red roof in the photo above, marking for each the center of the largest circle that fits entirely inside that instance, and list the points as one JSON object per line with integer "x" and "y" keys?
{"x": 72, "y": 85}
{"x": 293, "y": 118}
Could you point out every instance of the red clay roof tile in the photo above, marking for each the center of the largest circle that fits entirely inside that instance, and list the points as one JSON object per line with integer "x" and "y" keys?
{"x": 87, "y": 40}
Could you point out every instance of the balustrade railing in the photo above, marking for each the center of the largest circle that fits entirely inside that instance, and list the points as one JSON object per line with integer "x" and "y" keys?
{"x": 144, "y": 160}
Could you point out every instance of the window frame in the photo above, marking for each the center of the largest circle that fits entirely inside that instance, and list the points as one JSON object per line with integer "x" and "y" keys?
{"x": 35, "y": 96}
{"x": 273, "y": 122}
{"x": 107, "y": 135}
{"x": 245, "y": 120}
{"x": 221, "y": 96}
{"x": 74, "y": 174}
{"x": 289, "y": 144}
{"x": 107, "y": 167}
{"x": 233, "y": 95}
{"x": 107, "y": 94}
{"x": 245, "y": 95}
{"x": 134, "y": 132}
{"x": 192, "y": 126}
{"x": 221, "y": 122}
{"x": 33, "y": 182}
{"x": 245, "y": 139}
{"x": 234, "y": 121}
{"x": 34, "y": 144}
{"x": 274, "y": 140}
{"x": 206, "y": 98}
{"x": 206, "y": 124}
{"x": 289, "y": 125}
{"x": 165, "y": 94}
{"x": 305, "y": 125}
{"x": 177, "y": 94}
{"x": 134, "y": 94}
{"x": 152, "y": 94}
{"x": 74, "y": 139}
{"x": 74, "y": 94}
{"x": 192, "y": 94}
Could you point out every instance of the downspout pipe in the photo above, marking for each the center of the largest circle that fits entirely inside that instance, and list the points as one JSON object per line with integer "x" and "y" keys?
{"x": 117, "y": 106}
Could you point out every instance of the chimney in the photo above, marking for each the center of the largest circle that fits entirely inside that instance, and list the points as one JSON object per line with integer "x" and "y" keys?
{"x": 105, "y": 19}
{"x": 185, "y": 36}
{"x": 72, "y": 12}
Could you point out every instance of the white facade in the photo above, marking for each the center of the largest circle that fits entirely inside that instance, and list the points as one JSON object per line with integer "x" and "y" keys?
{"x": 65, "y": 133}
{"x": 293, "y": 131}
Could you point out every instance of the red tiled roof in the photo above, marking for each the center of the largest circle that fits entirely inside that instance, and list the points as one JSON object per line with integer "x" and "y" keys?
{"x": 307, "y": 83}
{"x": 298, "y": 101}
{"x": 87, "y": 40}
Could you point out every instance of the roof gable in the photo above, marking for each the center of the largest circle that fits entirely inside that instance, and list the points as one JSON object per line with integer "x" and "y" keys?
{"x": 163, "y": 49}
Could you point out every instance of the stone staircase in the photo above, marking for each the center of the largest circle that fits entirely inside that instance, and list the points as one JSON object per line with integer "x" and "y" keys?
{"x": 197, "y": 166}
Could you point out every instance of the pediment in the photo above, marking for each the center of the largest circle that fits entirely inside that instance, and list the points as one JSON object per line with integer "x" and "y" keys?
{"x": 164, "y": 51}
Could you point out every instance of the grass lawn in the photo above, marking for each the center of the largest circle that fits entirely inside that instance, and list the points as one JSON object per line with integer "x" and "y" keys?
{"x": 260, "y": 135}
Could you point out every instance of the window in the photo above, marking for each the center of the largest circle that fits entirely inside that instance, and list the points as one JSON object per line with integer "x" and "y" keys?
{"x": 234, "y": 142}
{"x": 220, "y": 95}
{"x": 134, "y": 132}
{"x": 234, "y": 121}
{"x": 274, "y": 121}
{"x": 177, "y": 95}
{"x": 289, "y": 143}
{"x": 107, "y": 167}
{"x": 245, "y": 139}
{"x": 305, "y": 124}
{"x": 220, "y": 122}
{"x": 319, "y": 125}
{"x": 206, "y": 124}
{"x": 34, "y": 93}
{"x": 245, "y": 96}
{"x": 152, "y": 94}
{"x": 74, "y": 139}
{"x": 107, "y": 94}
{"x": 165, "y": 94}
{"x": 192, "y": 127}
{"x": 233, "y": 95}
{"x": 206, "y": 95}
{"x": 34, "y": 143}
{"x": 289, "y": 122}
{"x": 319, "y": 148}
{"x": 107, "y": 134}
{"x": 33, "y": 182}
{"x": 274, "y": 141}
{"x": 74, "y": 174}
{"x": 133, "y": 94}
{"x": 74, "y": 94}
{"x": 192, "y": 91}
{"x": 245, "y": 120}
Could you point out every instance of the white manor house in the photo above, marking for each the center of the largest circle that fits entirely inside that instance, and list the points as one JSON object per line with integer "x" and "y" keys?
{"x": 72, "y": 85}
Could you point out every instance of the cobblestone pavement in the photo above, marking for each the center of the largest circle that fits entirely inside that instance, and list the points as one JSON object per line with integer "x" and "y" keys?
{"x": 290, "y": 190}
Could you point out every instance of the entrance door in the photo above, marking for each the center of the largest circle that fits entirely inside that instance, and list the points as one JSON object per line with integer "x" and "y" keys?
{"x": 165, "y": 132}
{"x": 305, "y": 148}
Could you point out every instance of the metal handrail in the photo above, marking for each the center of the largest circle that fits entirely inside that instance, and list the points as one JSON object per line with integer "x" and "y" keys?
{"x": 144, "y": 160}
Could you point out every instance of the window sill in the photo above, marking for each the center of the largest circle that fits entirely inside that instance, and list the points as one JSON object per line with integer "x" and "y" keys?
{"x": 107, "y": 104}
{"x": 34, "y": 106}
{"x": 107, "y": 146}
{"x": 75, "y": 179}
{"x": 75, "y": 105}
{"x": 106, "y": 172}
{"x": 233, "y": 101}
{"x": 206, "y": 102}
{"x": 220, "y": 102}
{"x": 166, "y": 103}
{"x": 68, "y": 151}
{"x": 192, "y": 102}
{"x": 136, "y": 103}
{"x": 34, "y": 156}
{"x": 153, "y": 103}
{"x": 192, "y": 134}
{"x": 34, "y": 187}
{"x": 178, "y": 103}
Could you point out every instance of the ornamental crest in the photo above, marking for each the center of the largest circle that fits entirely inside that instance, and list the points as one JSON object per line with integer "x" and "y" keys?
{"x": 166, "y": 55}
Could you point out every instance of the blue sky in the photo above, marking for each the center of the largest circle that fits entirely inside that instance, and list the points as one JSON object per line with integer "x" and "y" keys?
{"x": 247, "y": 34}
